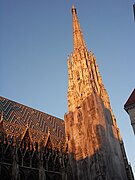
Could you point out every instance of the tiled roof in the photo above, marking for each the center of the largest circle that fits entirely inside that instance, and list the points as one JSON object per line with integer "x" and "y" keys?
{"x": 131, "y": 100}
{"x": 17, "y": 118}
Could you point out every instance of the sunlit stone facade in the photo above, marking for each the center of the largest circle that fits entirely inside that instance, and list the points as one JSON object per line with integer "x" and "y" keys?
{"x": 95, "y": 147}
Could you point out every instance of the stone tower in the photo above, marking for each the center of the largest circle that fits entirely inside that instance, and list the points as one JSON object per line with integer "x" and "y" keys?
{"x": 95, "y": 147}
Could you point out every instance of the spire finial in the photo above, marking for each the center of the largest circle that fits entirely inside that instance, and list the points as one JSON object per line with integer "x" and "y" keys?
{"x": 78, "y": 39}
{"x": 73, "y": 9}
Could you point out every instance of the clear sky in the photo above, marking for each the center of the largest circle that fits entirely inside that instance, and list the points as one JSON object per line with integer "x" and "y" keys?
{"x": 36, "y": 39}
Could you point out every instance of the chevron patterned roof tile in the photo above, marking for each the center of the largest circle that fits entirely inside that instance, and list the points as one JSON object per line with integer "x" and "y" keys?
{"x": 17, "y": 116}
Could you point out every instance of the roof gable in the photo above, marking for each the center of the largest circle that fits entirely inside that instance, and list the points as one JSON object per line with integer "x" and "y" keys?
{"x": 131, "y": 100}
{"x": 26, "y": 135}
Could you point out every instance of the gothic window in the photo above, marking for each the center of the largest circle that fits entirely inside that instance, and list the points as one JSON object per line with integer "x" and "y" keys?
{"x": 8, "y": 154}
{"x": 27, "y": 159}
{"x": 31, "y": 176}
{"x": 35, "y": 160}
{"x": 84, "y": 166}
{"x": 21, "y": 175}
{"x": 50, "y": 164}
{"x": 53, "y": 176}
{"x": 57, "y": 165}
{"x": 5, "y": 175}
{"x": 48, "y": 177}
{"x": 44, "y": 161}
{"x": 57, "y": 176}
{"x": 19, "y": 156}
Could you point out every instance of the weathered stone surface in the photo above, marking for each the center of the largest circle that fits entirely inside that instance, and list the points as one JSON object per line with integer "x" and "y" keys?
{"x": 94, "y": 143}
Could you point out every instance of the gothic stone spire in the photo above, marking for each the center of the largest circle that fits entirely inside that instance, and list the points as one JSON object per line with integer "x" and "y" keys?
{"x": 84, "y": 76}
{"x": 78, "y": 40}
{"x": 94, "y": 142}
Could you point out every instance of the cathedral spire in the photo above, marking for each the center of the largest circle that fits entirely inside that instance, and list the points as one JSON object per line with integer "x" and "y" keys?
{"x": 84, "y": 76}
{"x": 94, "y": 142}
{"x": 78, "y": 40}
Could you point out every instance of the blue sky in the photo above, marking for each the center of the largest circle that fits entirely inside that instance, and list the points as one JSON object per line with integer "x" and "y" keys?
{"x": 36, "y": 39}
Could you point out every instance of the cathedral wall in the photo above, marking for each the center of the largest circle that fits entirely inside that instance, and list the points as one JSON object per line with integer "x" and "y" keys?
{"x": 93, "y": 142}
